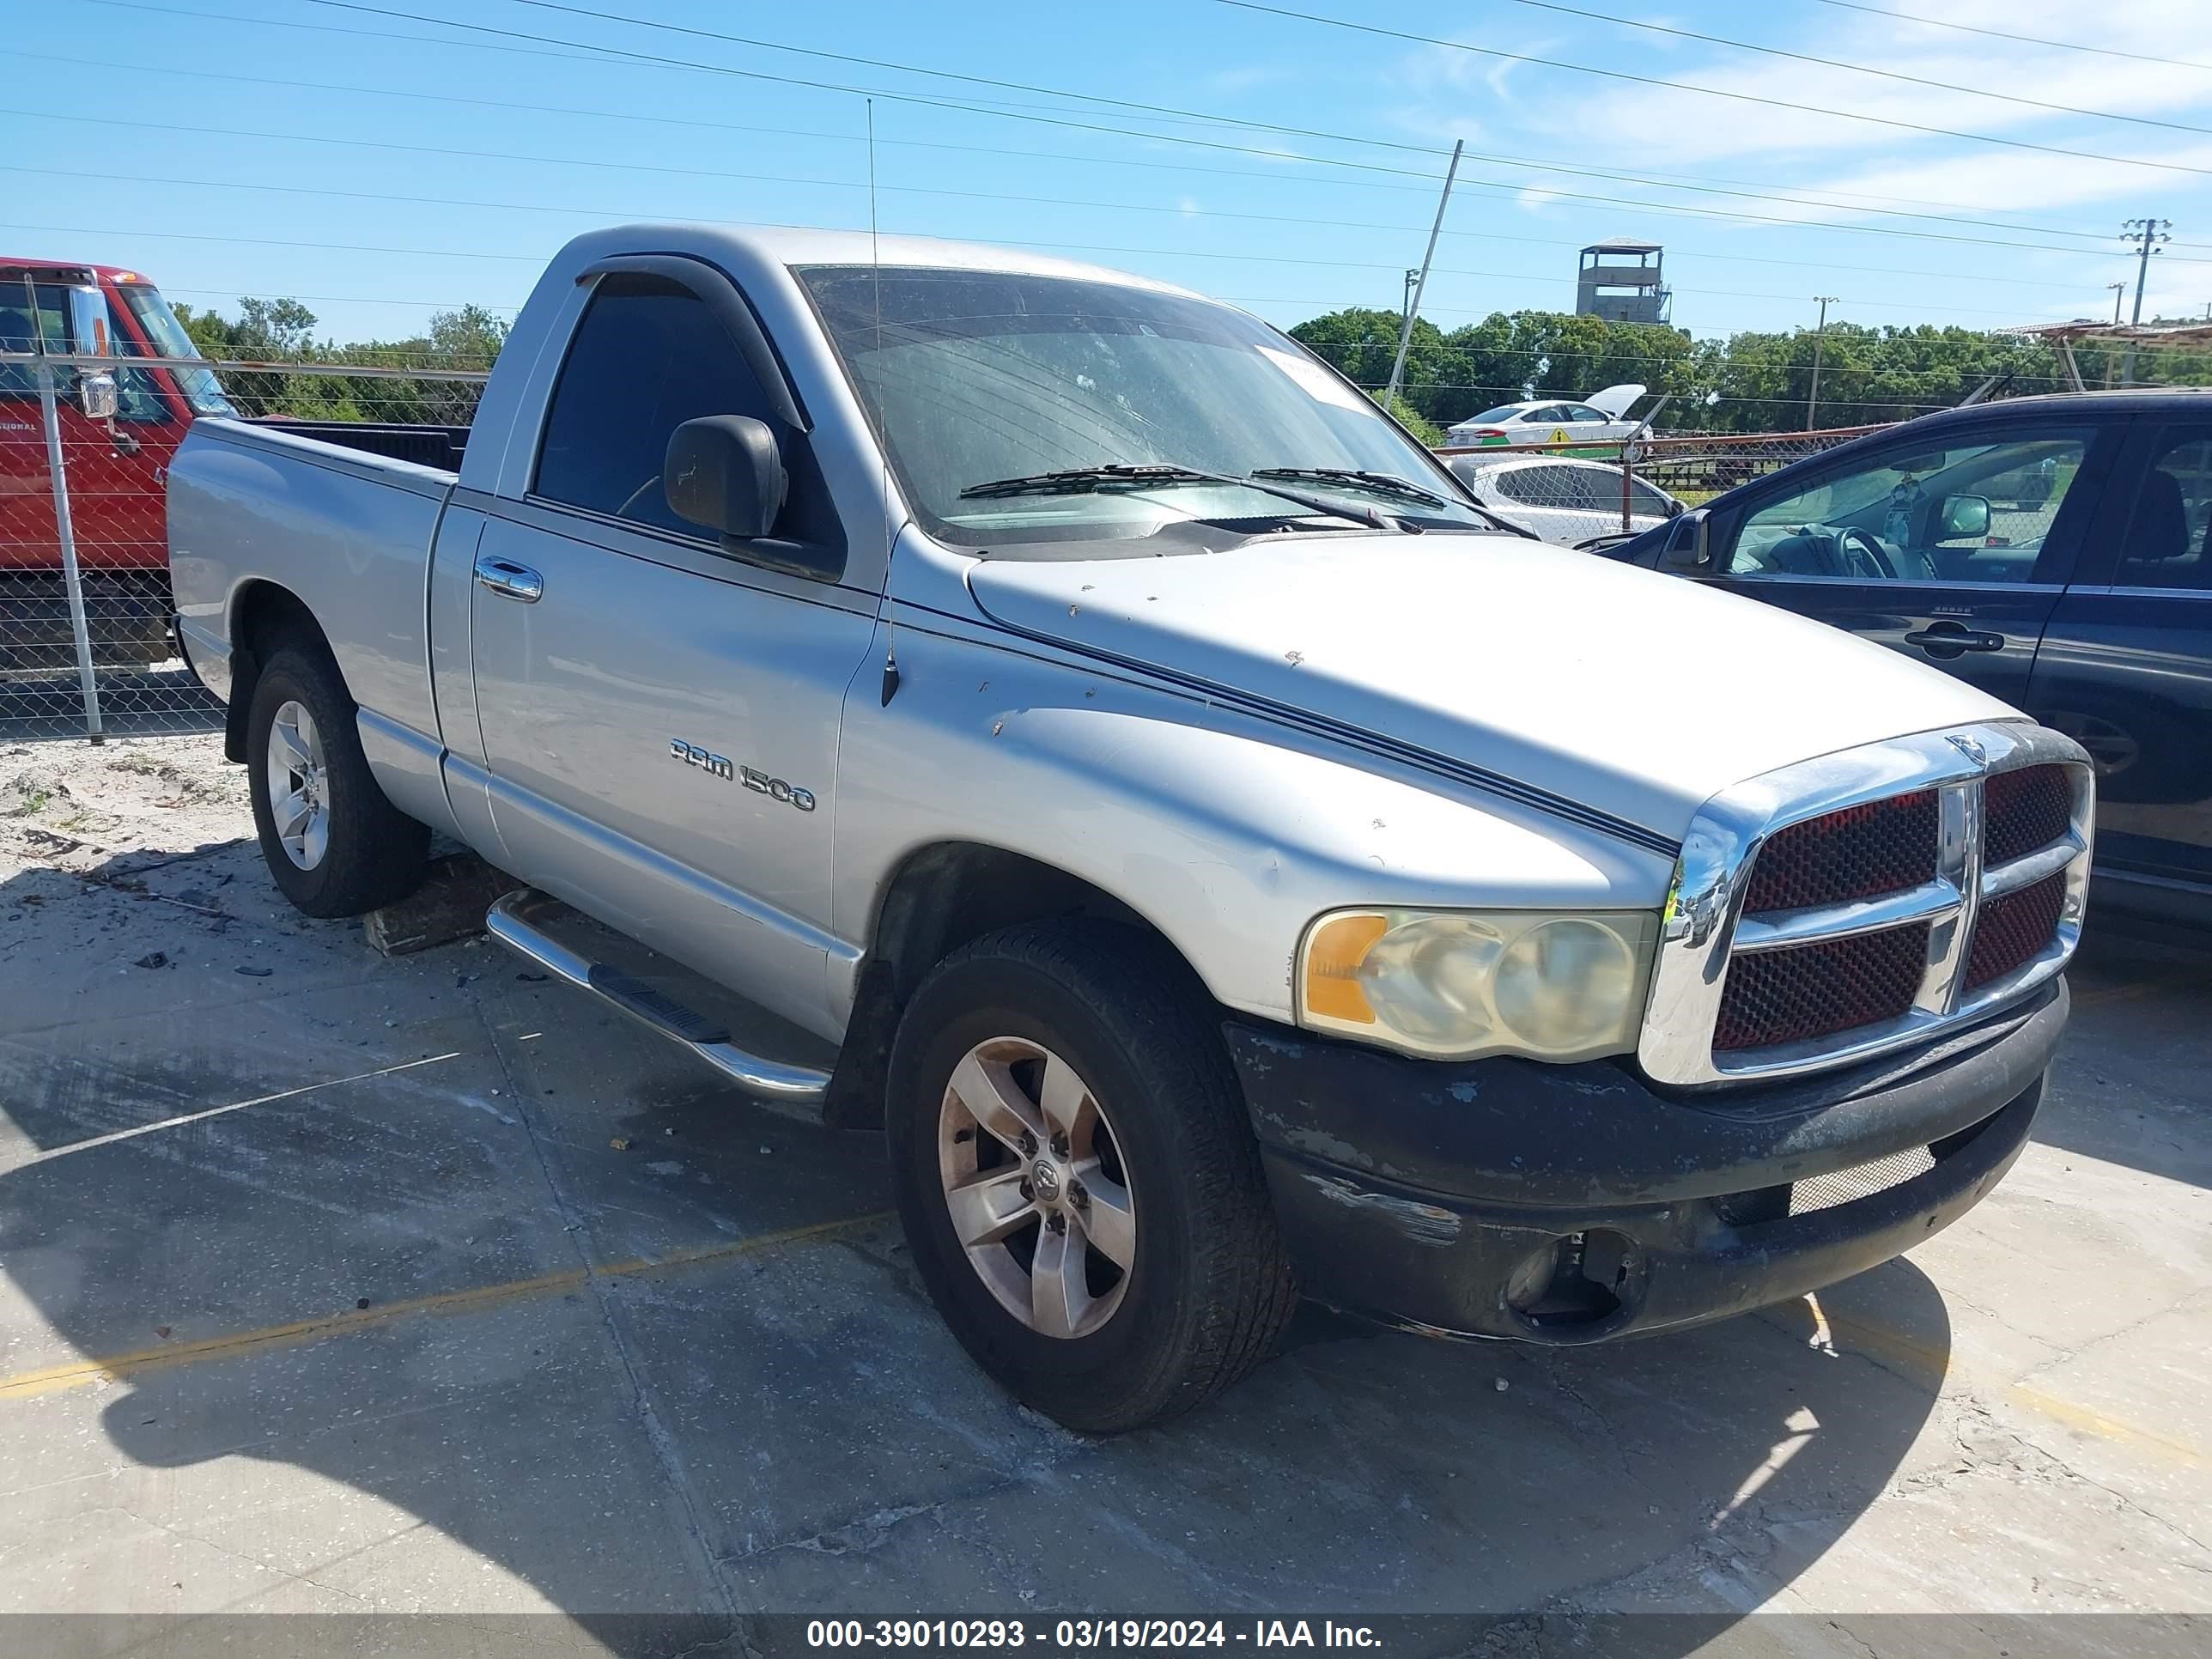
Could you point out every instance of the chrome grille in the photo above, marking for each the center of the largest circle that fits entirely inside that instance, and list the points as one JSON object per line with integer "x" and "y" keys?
{"x": 1864, "y": 900}
{"x": 1817, "y": 989}
{"x": 1861, "y": 851}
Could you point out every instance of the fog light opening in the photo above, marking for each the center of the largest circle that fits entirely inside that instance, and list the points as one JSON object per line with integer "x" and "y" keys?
{"x": 1576, "y": 1280}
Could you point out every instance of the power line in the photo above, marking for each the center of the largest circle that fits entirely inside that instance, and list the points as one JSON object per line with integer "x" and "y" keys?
{"x": 1177, "y": 253}
{"x": 720, "y": 69}
{"x": 1708, "y": 92}
{"x": 590, "y": 53}
{"x": 1826, "y": 63}
{"x": 1175, "y": 210}
{"x": 987, "y": 241}
{"x": 2003, "y": 35}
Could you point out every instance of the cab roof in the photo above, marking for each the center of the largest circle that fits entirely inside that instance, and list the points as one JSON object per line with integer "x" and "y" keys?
{"x": 110, "y": 273}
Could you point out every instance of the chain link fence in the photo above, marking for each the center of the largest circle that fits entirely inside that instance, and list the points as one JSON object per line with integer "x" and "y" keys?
{"x": 1580, "y": 493}
{"x": 88, "y": 643}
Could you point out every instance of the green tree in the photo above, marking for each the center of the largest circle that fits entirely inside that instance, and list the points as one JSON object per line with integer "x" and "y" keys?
{"x": 1410, "y": 418}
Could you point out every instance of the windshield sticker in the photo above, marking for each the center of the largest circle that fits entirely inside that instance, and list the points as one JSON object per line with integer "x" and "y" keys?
{"x": 1314, "y": 380}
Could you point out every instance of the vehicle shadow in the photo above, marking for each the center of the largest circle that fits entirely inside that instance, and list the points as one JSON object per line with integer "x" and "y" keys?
{"x": 394, "y": 1343}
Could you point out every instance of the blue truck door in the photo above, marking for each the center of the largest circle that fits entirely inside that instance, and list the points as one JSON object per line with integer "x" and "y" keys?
{"x": 1952, "y": 547}
{"x": 2126, "y": 670}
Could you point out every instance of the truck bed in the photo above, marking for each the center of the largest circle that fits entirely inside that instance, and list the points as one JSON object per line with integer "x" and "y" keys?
{"x": 347, "y": 533}
{"x": 436, "y": 447}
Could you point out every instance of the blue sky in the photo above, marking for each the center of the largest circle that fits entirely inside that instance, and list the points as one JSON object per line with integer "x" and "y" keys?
{"x": 559, "y": 138}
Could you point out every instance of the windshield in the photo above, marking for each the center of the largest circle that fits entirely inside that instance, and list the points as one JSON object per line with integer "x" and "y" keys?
{"x": 975, "y": 377}
{"x": 201, "y": 389}
{"x": 1492, "y": 416}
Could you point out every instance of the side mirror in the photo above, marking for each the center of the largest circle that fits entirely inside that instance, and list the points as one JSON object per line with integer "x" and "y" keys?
{"x": 1687, "y": 548}
{"x": 1674, "y": 508}
{"x": 723, "y": 471}
{"x": 88, "y": 319}
{"x": 1964, "y": 516}
{"x": 97, "y": 395}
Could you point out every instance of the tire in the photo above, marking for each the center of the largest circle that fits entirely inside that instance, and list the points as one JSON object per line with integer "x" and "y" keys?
{"x": 370, "y": 852}
{"x": 1206, "y": 1289}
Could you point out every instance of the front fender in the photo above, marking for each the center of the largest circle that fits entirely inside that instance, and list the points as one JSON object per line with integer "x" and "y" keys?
{"x": 1226, "y": 832}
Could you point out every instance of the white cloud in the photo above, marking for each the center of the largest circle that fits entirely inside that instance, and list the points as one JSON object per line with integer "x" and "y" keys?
{"x": 1659, "y": 126}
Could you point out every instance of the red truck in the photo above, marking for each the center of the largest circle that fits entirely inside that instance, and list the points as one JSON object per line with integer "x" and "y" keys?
{"x": 117, "y": 468}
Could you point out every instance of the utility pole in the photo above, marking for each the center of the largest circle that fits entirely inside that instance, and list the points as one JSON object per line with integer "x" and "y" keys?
{"x": 1819, "y": 341}
{"x": 2119, "y": 291}
{"x": 1421, "y": 280}
{"x": 2145, "y": 234}
{"x": 1413, "y": 276}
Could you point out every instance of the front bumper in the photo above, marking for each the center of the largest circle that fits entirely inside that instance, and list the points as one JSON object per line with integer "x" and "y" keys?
{"x": 1573, "y": 1204}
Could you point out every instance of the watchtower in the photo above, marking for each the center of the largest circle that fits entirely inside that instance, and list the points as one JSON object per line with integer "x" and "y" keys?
{"x": 1621, "y": 281}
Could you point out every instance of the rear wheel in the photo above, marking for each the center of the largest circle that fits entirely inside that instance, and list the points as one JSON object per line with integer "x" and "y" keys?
{"x": 1077, "y": 1176}
{"x": 333, "y": 843}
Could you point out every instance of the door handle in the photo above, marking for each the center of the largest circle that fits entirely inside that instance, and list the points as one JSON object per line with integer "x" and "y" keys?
{"x": 1952, "y": 639}
{"x": 510, "y": 580}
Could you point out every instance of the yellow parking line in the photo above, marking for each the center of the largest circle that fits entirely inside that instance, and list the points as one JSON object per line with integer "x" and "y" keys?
{"x": 86, "y": 1372}
{"x": 2111, "y": 1428}
{"x": 1934, "y": 1363}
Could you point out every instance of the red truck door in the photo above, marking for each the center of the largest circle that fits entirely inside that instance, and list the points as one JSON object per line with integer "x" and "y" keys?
{"x": 116, "y": 473}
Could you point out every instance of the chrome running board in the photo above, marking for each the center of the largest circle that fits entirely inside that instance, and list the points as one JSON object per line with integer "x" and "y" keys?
{"x": 516, "y": 922}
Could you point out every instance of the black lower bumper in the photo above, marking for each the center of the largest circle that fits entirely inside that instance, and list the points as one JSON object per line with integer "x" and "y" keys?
{"x": 1569, "y": 1203}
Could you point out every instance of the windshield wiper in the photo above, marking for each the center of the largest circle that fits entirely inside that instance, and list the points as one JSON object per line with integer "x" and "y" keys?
{"x": 1078, "y": 480}
{"x": 1378, "y": 483}
{"x": 1389, "y": 484}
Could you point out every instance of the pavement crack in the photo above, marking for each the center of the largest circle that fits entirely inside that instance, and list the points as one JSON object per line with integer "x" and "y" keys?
{"x": 241, "y": 1555}
{"x": 2129, "y": 1329}
{"x": 665, "y": 1452}
{"x": 862, "y": 1533}
{"x": 1605, "y": 1432}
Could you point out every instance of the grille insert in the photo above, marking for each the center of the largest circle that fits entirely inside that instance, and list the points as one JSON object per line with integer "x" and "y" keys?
{"x": 1826, "y": 1192}
{"x": 2025, "y": 810}
{"x": 1860, "y": 1181}
{"x": 1858, "y": 852}
{"x": 1820, "y": 988}
{"x": 2012, "y": 929}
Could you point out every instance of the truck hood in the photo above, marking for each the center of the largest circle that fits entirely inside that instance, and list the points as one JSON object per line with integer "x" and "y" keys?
{"x": 1624, "y": 692}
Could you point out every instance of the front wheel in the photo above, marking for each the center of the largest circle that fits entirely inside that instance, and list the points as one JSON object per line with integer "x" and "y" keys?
{"x": 1077, "y": 1176}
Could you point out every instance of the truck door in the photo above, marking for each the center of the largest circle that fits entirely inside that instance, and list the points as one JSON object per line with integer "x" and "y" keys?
{"x": 2126, "y": 670}
{"x": 1950, "y": 546}
{"x": 659, "y": 709}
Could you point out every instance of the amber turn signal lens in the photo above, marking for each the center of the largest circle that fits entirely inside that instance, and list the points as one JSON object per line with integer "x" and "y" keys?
{"x": 1332, "y": 959}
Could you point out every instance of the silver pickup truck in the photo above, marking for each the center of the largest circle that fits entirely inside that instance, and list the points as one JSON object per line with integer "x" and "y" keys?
{"x": 1082, "y": 736}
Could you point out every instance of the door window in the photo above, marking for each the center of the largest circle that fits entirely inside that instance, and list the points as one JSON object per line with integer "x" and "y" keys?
{"x": 2169, "y": 541}
{"x": 137, "y": 397}
{"x": 1643, "y": 498}
{"x": 1968, "y": 510}
{"x": 1540, "y": 486}
{"x": 647, "y": 356}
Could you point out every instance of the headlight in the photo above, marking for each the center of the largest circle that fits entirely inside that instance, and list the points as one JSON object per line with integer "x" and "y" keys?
{"x": 1460, "y": 984}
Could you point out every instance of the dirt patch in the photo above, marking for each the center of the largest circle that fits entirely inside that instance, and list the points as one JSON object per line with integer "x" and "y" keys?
{"x": 72, "y": 806}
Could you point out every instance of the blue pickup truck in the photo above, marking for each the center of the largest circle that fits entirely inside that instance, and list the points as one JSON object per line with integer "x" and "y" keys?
{"x": 2054, "y": 551}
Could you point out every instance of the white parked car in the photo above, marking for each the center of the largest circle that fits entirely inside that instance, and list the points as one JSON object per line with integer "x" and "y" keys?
{"x": 1564, "y": 500}
{"x": 1600, "y": 418}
